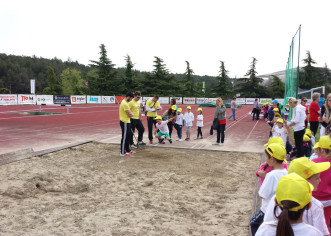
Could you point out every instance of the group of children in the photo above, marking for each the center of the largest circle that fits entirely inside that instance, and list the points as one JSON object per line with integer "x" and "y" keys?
{"x": 174, "y": 118}
{"x": 296, "y": 199}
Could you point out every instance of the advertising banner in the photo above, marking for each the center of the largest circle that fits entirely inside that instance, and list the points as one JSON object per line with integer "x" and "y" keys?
{"x": 201, "y": 100}
{"x": 62, "y": 99}
{"x": 264, "y": 100}
{"x": 26, "y": 99}
{"x": 119, "y": 99}
{"x": 45, "y": 99}
{"x": 188, "y": 100}
{"x": 241, "y": 101}
{"x": 32, "y": 86}
{"x": 93, "y": 99}
{"x": 212, "y": 100}
{"x": 250, "y": 101}
{"x": 108, "y": 99}
{"x": 164, "y": 100}
{"x": 179, "y": 100}
{"x": 8, "y": 99}
{"x": 78, "y": 99}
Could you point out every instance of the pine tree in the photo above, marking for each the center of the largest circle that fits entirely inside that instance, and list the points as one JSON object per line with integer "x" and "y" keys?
{"x": 54, "y": 83}
{"x": 189, "y": 85}
{"x": 309, "y": 74}
{"x": 223, "y": 88}
{"x": 277, "y": 87}
{"x": 130, "y": 78}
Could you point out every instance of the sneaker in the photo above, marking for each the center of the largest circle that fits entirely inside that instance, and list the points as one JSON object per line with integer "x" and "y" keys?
{"x": 196, "y": 138}
{"x": 131, "y": 152}
{"x": 161, "y": 140}
{"x": 127, "y": 154}
{"x": 134, "y": 146}
{"x": 179, "y": 139}
{"x": 216, "y": 143}
{"x": 170, "y": 140}
{"x": 151, "y": 141}
{"x": 221, "y": 144}
{"x": 122, "y": 154}
{"x": 141, "y": 143}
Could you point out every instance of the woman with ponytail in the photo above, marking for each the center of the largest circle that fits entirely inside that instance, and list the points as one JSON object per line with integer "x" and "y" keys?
{"x": 293, "y": 196}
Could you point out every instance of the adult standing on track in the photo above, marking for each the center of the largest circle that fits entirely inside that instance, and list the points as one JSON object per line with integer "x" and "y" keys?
{"x": 233, "y": 108}
{"x": 314, "y": 113}
{"x": 152, "y": 106}
{"x": 298, "y": 124}
{"x": 125, "y": 124}
{"x": 220, "y": 115}
{"x": 136, "y": 120}
{"x": 256, "y": 109}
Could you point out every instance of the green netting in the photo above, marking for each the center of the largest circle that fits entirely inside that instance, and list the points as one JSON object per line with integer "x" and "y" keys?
{"x": 292, "y": 70}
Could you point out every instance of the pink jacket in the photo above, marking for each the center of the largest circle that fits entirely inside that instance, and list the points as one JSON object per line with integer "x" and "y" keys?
{"x": 267, "y": 170}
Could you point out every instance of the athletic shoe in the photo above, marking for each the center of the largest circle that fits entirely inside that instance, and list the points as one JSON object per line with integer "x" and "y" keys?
{"x": 131, "y": 152}
{"x": 151, "y": 141}
{"x": 128, "y": 154}
{"x": 170, "y": 140}
{"x": 179, "y": 139}
{"x": 134, "y": 146}
{"x": 196, "y": 138}
{"x": 221, "y": 144}
{"x": 216, "y": 143}
{"x": 161, "y": 141}
{"x": 187, "y": 139}
{"x": 141, "y": 143}
{"x": 122, "y": 154}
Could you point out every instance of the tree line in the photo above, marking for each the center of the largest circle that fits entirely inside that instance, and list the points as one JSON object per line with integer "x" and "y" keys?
{"x": 101, "y": 77}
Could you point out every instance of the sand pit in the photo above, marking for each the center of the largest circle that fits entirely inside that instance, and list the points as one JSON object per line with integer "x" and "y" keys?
{"x": 91, "y": 190}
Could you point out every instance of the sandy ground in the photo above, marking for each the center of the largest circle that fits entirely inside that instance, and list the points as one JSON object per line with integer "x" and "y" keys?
{"x": 91, "y": 190}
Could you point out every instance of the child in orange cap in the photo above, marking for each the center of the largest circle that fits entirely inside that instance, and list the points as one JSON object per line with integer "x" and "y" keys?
{"x": 293, "y": 196}
{"x": 310, "y": 171}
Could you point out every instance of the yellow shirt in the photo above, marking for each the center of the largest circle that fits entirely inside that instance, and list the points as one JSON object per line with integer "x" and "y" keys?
{"x": 135, "y": 108}
{"x": 123, "y": 108}
{"x": 150, "y": 103}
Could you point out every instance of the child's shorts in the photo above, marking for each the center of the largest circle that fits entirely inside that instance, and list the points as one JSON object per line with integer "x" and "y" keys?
{"x": 162, "y": 134}
{"x": 188, "y": 129}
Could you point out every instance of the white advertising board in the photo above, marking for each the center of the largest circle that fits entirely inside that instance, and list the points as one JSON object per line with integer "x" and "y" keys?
{"x": 264, "y": 100}
{"x": 201, "y": 100}
{"x": 179, "y": 100}
{"x": 93, "y": 99}
{"x": 45, "y": 99}
{"x": 250, "y": 101}
{"x": 8, "y": 99}
{"x": 188, "y": 100}
{"x": 164, "y": 100}
{"x": 241, "y": 101}
{"x": 108, "y": 100}
{"x": 26, "y": 99}
{"x": 78, "y": 99}
{"x": 212, "y": 100}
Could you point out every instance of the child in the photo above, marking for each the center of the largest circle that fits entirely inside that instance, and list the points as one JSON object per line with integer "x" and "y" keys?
{"x": 179, "y": 124}
{"x": 163, "y": 129}
{"x": 188, "y": 118}
{"x": 199, "y": 123}
{"x": 310, "y": 135}
{"x": 278, "y": 130}
{"x": 306, "y": 146}
{"x": 323, "y": 193}
{"x": 265, "y": 110}
{"x": 275, "y": 155}
{"x": 170, "y": 113}
{"x": 293, "y": 196}
{"x": 287, "y": 111}
{"x": 265, "y": 168}
{"x": 310, "y": 171}
{"x": 317, "y": 152}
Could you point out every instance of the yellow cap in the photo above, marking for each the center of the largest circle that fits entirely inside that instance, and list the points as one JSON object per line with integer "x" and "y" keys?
{"x": 179, "y": 109}
{"x": 275, "y": 109}
{"x": 158, "y": 118}
{"x": 324, "y": 142}
{"x": 173, "y": 107}
{"x": 199, "y": 109}
{"x": 306, "y": 168}
{"x": 306, "y": 138}
{"x": 308, "y": 132}
{"x": 188, "y": 107}
{"x": 294, "y": 188}
{"x": 287, "y": 104}
{"x": 277, "y": 151}
{"x": 280, "y": 120}
{"x": 277, "y": 115}
{"x": 278, "y": 140}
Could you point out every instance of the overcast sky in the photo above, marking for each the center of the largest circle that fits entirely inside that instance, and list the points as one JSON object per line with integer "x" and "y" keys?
{"x": 201, "y": 32}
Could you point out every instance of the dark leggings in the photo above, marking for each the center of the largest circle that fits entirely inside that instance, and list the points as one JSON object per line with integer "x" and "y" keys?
{"x": 199, "y": 132}
{"x": 150, "y": 123}
{"x": 220, "y": 133}
{"x": 298, "y": 139}
{"x": 314, "y": 126}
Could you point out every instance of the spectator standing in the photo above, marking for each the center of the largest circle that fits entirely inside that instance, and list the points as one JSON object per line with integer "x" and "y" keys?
{"x": 125, "y": 123}
{"x": 233, "y": 108}
{"x": 134, "y": 105}
{"x": 220, "y": 115}
{"x": 321, "y": 101}
{"x": 314, "y": 113}
{"x": 152, "y": 106}
{"x": 303, "y": 103}
{"x": 325, "y": 117}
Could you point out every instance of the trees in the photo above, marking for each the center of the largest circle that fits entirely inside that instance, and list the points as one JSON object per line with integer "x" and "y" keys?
{"x": 130, "y": 77}
{"x": 72, "y": 83}
{"x": 54, "y": 83}
{"x": 223, "y": 88}
{"x": 105, "y": 83}
{"x": 277, "y": 87}
{"x": 309, "y": 74}
{"x": 189, "y": 85}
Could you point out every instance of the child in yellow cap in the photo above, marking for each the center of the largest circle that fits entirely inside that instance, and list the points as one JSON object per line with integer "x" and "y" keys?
{"x": 179, "y": 124}
{"x": 310, "y": 171}
{"x": 275, "y": 155}
{"x": 188, "y": 118}
{"x": 286, "y": 111}
{"x": 162, "y": 129}
{"x": 323, "y": 193}
{"x": 278, "y": 130}
{"x": 199, "y": 123}
{"x": 170, "y": 113}
{"x": 293, "y": 196}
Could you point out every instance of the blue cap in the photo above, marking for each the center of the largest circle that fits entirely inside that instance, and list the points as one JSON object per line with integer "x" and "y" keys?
{"x": 274, "y": 101}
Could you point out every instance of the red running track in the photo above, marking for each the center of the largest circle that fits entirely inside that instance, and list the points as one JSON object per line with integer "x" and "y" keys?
{"x": 101, "y": 122}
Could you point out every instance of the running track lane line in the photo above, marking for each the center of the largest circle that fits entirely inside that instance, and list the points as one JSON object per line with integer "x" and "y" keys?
{"x": 250, "y": 132}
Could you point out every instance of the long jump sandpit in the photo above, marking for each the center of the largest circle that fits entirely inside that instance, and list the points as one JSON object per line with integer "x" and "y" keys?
{"x": 91, "y": 190}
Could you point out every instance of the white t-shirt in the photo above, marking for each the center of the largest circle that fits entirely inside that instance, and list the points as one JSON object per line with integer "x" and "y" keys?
{"x": 179, "y": 119}
{"x": 279, "y": 133}
{"x": 189, "y": 118}
{"x": 313, "y": 216}
{"x": 268, "y": 188}
{"x": 299, "y": 117}
{"x": 270, "y": 227}
{"x": 163, "y": 127}
{"x": 200, "y": 123}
